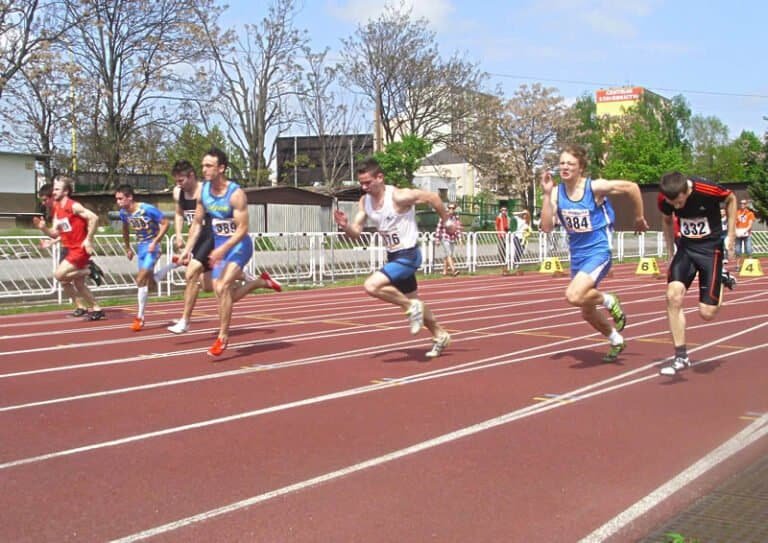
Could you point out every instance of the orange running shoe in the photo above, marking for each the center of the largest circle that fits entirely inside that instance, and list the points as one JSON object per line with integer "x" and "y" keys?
{"x": 274, "y": 284}
{"x": 218, "y": 347}
{"x": 137, "y": 324}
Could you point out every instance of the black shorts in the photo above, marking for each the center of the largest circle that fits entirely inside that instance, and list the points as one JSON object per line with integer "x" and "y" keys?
{"x": 704, "y": 258}
{"x": 202, "y": 249}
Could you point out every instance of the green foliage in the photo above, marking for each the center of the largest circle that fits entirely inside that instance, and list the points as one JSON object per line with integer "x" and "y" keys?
{"x": 192, "y": 145}
{"x": 640, "y": 153}
{"x": 401, "y": 158}
{"x": 591, "y": 133}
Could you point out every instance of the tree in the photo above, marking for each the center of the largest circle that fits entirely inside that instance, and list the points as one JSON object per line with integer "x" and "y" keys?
{"x": 128, "y": 49}
{"x": 639, "y": 153}
{"x": 27, "y": 29}
{"x": 253, "y": 78}
{"x": 708, "y": 137}
{"x": 590, "y": 133}
{"x": 327, "y": 118}
{"x": 649, "y": 140}
{"x": 401, "y": 158}
{"x": 39, "y": 109}
{"x": 395, "y": 62}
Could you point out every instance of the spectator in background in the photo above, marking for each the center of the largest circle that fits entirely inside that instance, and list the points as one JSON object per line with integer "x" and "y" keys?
{"x": 745, "y": 218}
{"x": 502, "y": 227}
{"x": 448, "y": 240}
{"x": 522, "y": 231}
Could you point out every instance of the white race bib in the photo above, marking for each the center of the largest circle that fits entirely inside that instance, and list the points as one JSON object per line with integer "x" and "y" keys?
{"x": 694, "y": 227}
{"x": 576, "y": 220}
{"x": 189, "y": 216}
{"x": 224, "y": 227}
{"x": 391, "y": 240}
{"x": 62, "y": 225}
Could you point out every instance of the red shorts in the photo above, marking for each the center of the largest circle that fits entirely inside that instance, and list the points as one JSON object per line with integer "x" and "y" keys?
{"x": 78, "y": 257}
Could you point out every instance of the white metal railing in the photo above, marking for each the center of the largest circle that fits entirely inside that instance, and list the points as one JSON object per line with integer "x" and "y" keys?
{"x": 307, "y": 258}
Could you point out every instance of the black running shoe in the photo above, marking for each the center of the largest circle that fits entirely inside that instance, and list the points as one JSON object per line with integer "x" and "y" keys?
{"x": 97, "y": 274}
{"x": 729, "y": 280}
{"x": 79, "y": 312}
{"x": 96, "y": 315}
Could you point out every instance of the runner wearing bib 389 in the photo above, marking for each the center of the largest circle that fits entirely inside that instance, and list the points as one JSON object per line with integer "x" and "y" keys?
{"x": 227, "y": 206}
{"x": 698, "y": 250}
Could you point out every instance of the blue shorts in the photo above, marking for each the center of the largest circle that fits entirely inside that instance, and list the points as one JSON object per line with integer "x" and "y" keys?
{"x": 596, "y": 265}
{"x": 240, "y": 254}
{"x": 146, "y": 259}
{"x": 401, "y": 269}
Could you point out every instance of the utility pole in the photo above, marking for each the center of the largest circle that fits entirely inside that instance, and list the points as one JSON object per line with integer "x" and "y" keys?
{"x": 377, "y": 132}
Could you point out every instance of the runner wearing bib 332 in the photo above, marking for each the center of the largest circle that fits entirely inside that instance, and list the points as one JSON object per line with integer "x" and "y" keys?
{"x": 698, "y": 250}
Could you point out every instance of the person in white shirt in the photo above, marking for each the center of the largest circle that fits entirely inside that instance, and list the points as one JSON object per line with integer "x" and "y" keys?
{"x": 392, "y": 210}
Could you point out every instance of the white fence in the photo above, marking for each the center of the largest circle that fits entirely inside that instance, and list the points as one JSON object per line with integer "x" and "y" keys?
{"x": 305, "y": 258}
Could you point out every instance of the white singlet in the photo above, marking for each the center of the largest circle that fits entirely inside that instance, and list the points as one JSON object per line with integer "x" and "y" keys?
{"x": 398, "y": 230}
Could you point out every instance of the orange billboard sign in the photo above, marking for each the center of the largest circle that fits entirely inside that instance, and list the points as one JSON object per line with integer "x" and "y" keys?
{"x": 624, "y": 94}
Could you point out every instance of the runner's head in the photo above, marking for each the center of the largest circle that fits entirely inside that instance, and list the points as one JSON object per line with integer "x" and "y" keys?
{"x": 62, "y": 187}
{"x": 124, "y": 197}
{"x": 675, "y": 188}
{"x": 215, "y": 164}
{"x": 184, "y": 175}
{"x": 370, "y": 175}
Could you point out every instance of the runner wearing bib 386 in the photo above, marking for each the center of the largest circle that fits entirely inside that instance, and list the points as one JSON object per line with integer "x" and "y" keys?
{"x": 392, "y": 210}
{"x": 698, "y": 250}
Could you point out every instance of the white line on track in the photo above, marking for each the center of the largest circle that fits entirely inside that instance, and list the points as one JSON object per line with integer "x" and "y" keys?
{"x": 752, "y": 433}
{"x": 757, "y": 430}
{"x": 573, "y": 395}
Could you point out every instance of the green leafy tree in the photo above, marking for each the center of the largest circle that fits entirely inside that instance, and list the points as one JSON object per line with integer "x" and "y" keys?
{"x": 401, "y": 158}
{"x": 640, "y": 153}
{"x": 590, "y": 133}
{"x": 192, "y": 144}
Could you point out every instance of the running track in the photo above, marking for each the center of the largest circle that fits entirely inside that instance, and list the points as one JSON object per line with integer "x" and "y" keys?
{"x": 325, "y": 422}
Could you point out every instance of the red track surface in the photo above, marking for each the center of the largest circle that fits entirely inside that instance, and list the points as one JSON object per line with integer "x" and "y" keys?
{"x": 324, "y": 421}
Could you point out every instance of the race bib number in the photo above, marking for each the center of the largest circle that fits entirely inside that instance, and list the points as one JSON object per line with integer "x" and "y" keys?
{"x": 224, "y": 227}
{"x": 138, "y": 223}
{"x": 694, "y": 227}
{"x": 63, "y": 225}
{"x": 391, "y": 240}
{"x": 576, "y": 220}
{"x": 189, "y": 216}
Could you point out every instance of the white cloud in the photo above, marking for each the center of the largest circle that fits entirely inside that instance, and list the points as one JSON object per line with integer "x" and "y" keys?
{"x": 437, "y": 12}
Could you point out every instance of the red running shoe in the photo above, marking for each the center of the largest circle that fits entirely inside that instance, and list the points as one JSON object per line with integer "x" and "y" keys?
{"x": 218, "y": 347}
{"x": 137, "y": 324}
{"x": 271, "y": 283}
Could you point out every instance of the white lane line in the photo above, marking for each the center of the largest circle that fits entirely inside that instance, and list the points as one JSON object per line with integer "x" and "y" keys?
{"x": 577, "y": 395}
{"x": 395, "y": 455}
{"x": 754, "y": 432}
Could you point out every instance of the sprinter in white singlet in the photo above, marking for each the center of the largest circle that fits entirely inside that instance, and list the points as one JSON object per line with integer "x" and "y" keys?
{"x": 391, "y": 209}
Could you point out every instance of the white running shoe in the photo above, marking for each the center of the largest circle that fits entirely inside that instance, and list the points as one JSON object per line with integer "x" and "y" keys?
{"x": 416, "y": 316}
{"x": 439, "y": 345}
{"x": 676, "y": 366}
{"x": 180, "y": 327}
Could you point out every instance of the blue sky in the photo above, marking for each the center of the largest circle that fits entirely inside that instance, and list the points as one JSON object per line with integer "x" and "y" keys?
{"x": 713, "y": 53}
